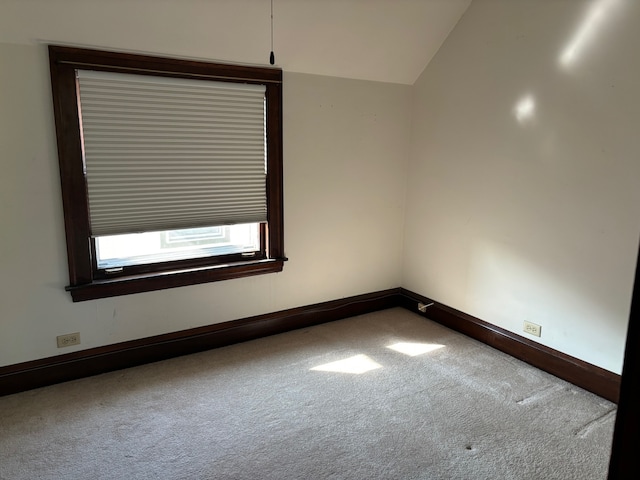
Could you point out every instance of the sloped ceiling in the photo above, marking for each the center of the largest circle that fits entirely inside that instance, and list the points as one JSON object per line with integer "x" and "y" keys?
{"x": 381, "y": 40}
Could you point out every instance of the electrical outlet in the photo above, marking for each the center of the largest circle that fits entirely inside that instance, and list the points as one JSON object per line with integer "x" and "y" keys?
{"x": 68, "y": 339}
{"x": 532, "y": 328}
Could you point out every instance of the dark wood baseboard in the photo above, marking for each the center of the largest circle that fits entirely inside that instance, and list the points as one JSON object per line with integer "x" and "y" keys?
{"x": 582, "y": 374}
{"x": 48, "y": 371}
{"x": 61, "y": 368}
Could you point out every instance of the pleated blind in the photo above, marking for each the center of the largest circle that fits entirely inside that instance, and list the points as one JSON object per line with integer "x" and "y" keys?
{"x": 167, "y": 153}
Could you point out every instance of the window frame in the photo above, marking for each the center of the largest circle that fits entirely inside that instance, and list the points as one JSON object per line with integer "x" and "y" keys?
{"x": 86, "y": 282}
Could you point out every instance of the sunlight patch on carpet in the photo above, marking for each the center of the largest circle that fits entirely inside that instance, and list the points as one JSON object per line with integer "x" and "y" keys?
{"x": 414, "y": 349}
{"x": 357, "y": 364}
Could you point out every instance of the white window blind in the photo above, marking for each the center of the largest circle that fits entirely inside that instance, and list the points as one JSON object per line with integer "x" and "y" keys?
{"x": 169, "y": 153}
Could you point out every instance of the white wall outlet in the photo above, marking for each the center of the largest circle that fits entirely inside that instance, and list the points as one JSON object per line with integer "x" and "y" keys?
{"x": 532, "y": 329}
{"x": 68, "y": 339}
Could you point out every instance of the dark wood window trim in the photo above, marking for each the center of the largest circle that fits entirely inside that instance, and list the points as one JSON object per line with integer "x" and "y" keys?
{"x": 84, "y": 283}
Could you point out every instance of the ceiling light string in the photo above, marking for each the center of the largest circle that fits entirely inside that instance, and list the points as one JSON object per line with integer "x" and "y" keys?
{"x": 272, "y": 57}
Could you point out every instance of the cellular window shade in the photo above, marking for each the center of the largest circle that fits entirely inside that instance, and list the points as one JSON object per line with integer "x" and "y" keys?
{"x": 169, "y": 153}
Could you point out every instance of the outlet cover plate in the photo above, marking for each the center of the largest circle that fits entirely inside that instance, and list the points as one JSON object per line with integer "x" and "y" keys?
{"x": 68, "y": 339}
{"x": 532, "y": 329}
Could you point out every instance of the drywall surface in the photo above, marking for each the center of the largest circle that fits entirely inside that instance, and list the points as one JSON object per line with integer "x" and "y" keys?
{"x": 345, "y": 153}
{"x": 340, "y": 38}
{"x": 523, "y": 198}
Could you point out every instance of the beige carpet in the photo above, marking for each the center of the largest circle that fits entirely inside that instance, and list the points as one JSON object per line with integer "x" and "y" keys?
{"x": 387, "y": 395}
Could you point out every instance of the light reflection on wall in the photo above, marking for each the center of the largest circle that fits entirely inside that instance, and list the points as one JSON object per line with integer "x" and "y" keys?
{"x": 596, "y": 16}
{"x": 525, "y": 109}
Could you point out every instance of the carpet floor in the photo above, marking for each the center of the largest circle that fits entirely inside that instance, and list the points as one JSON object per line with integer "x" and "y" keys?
{"x": 387, "y": 395}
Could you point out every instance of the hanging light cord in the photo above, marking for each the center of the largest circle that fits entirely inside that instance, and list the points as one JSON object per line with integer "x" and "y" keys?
{"x": 272, "y": 57}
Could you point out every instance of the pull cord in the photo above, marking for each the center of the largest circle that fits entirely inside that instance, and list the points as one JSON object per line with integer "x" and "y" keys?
{"x": 272, "y": 57}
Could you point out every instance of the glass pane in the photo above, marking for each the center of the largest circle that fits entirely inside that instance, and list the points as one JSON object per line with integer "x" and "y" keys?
{"x": 151, "y": 247}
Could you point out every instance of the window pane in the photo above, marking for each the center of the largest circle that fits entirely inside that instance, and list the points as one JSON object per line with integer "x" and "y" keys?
{"x": 151, "y": 247}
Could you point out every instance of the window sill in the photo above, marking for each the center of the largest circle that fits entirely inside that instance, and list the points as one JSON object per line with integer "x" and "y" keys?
{"x": 171, "y": 279}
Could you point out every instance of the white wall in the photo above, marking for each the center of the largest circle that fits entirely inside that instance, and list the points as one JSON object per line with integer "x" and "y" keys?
{"x": 509, "y": 220}
{"x": 345, "y": 152}
{"x": 514, "y": 216}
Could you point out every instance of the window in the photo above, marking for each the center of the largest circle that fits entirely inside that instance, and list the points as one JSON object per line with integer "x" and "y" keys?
{"x": 171, "y": 170}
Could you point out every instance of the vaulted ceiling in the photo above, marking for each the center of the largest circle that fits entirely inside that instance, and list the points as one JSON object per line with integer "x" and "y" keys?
{"x": 381, "y": 40}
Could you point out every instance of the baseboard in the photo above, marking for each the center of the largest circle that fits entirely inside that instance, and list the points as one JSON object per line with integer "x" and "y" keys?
{"x": 582, "y": 374}
{"x": 48, "y": 371}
